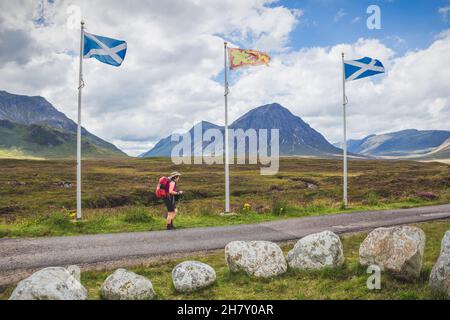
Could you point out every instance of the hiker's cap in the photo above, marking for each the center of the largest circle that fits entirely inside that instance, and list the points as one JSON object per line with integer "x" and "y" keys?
{"x": 175, "y": 174}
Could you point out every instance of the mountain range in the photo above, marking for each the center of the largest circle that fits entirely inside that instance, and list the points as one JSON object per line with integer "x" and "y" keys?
{"x": 32, "y": 127}
{"x": 297, "y": 138}
{"x": 402, "y": 144}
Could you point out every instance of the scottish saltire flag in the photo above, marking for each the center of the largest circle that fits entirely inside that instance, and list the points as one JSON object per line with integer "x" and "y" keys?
{"x": 362, "y": 68}
{"x": 106, "y": 50}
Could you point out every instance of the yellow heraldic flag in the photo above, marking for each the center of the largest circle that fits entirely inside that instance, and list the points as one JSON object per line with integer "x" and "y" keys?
{"x": 242, "y": 58}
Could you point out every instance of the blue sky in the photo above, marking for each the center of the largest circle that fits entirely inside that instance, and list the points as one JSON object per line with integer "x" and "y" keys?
{"x": 415, "y": 23}
{"x": 406, "y": 25}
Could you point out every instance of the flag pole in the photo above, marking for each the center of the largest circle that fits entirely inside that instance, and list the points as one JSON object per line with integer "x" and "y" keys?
{"x": 344, "y": 105}
{"x": 80, "y": 88}
{"x": 227, "y": 160}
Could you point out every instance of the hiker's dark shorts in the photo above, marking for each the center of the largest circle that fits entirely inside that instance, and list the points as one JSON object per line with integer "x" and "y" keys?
{"x": 170, "y": 203}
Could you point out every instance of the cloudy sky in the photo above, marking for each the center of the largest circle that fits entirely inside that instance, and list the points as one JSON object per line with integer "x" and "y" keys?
{"x": 172, "y": 75}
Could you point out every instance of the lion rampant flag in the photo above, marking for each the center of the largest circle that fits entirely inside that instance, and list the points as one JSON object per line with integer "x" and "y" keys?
{"x": 241, "y": 58}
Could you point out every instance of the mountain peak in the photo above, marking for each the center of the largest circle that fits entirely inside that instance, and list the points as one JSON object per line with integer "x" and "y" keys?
{"x": 296, "y": 136}
{"x": 5, "y": 93}
{"x": 206, "y": 125}
{"x": 269, "y": 108}
{"x": 30, "y": 113}
{"x": 31, "y": 110}
{"x": 274, "y": 105}
{"x": 268, "y": 114}
{"x": 406, "y": 131}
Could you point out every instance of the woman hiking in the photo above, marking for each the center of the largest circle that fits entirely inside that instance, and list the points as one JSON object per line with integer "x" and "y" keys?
{"x": 170, "y": 199}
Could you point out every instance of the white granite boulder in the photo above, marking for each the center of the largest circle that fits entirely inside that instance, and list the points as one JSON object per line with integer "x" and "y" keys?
{"x": 191, "y": 276}
{"x": 440, "y": 275}
{"x": 257, "y": 258}
{"x": 397, "y": 250}
{"x": 317, "y": 251}
{"x": 445, "y": 244}
{"x": 53, "y": 283}
{"x": 127, "y": 285}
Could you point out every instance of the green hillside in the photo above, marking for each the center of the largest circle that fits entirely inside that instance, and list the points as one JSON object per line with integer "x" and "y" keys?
{"x": 42, "y": 141}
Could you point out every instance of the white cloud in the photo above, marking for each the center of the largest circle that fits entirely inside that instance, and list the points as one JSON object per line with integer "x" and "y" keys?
{"x": 170, "y": 78}
{"x": 339, "y": 15}
{"x": 167, "y": 80}
{"x": 444, "y": 12}
{"x": 413, "y": 94}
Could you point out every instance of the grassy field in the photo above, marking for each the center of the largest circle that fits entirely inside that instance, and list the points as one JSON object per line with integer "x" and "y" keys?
{"x": 37, "y": 198}
{"x": 347, "y": 282}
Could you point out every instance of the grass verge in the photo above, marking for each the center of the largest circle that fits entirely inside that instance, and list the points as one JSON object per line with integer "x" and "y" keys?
{"x": 142, "y": 219}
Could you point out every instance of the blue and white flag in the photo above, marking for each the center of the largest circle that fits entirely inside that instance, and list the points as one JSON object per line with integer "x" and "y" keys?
{"x": 362, "y": 68}
{"x": 106, "y": 50}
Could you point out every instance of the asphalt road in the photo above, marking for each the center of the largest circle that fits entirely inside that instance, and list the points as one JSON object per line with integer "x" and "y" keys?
{"x": 18, "y": 257}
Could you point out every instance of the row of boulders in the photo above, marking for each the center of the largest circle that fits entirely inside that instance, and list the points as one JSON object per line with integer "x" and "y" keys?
{"x": 398, "y": 251}
{"x": 56, "y": 283}
{"x": 266, "y": 259}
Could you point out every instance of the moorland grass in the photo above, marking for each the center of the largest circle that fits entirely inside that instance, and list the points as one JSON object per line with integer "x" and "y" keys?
{"x": 37, "y": 198}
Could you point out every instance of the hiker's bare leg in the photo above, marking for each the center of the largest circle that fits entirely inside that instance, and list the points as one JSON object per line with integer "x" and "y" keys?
{"x": 169, "y": 217}
{"x": 174, "y": 215}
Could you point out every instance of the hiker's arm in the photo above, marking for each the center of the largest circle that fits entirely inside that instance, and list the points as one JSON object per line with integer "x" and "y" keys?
{"x": 171, "y": 189}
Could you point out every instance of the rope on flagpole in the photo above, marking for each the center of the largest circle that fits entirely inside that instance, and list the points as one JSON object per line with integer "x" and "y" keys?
{"x": 82, "y": 84}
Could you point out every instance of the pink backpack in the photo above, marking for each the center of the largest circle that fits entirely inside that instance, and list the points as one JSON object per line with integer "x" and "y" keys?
{"x": 163, "y": 187}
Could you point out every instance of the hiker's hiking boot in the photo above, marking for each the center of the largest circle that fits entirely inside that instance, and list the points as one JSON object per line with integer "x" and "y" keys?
{"x": 170, "y": 227}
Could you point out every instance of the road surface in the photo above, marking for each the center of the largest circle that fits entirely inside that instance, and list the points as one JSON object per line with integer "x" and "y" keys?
{"x": 19, "y": 257}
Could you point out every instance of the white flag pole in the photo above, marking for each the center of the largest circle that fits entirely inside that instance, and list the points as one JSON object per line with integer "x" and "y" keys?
{"x": 344, "y": 105}
{"x": 227, "y": 160}
{"x": 80, "y": 88}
